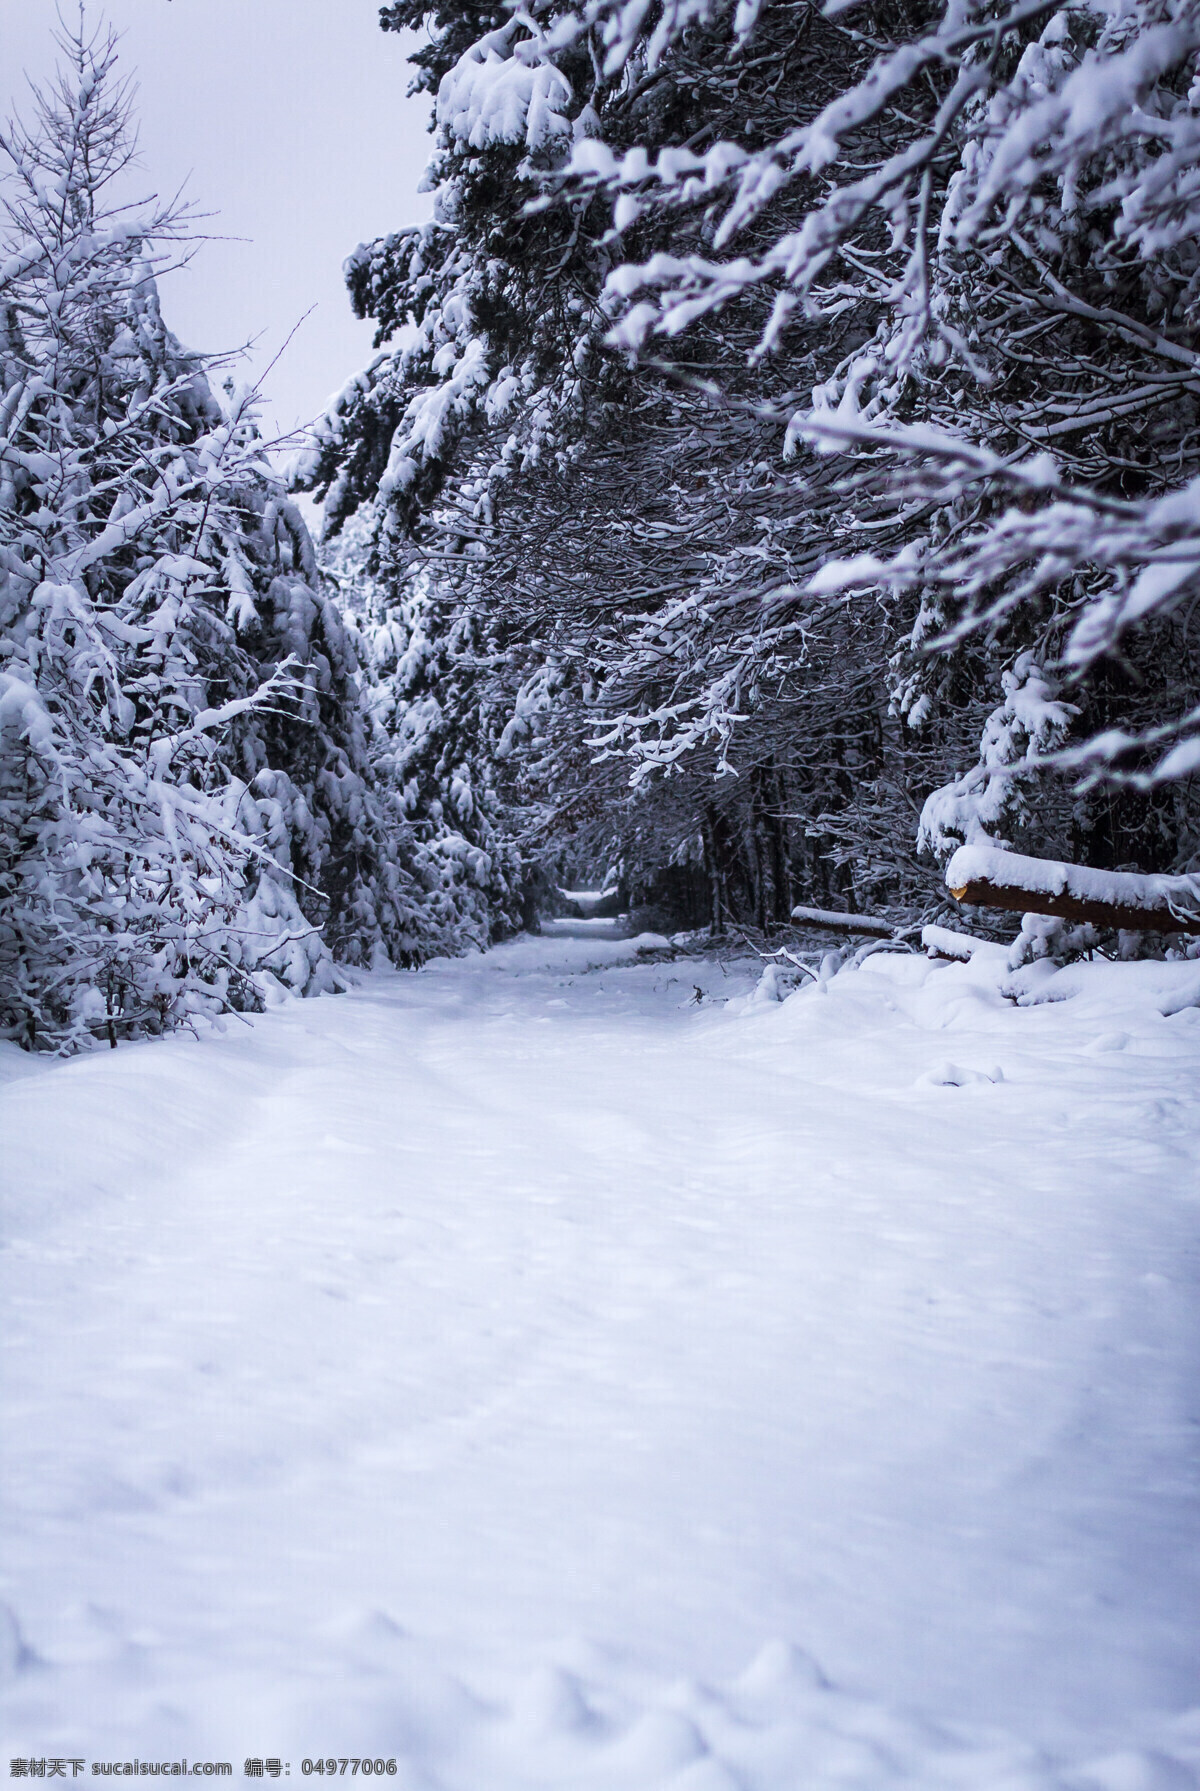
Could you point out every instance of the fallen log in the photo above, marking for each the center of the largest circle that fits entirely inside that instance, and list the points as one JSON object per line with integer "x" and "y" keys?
{"x": 834, "y": 921}
{"x": 944, "y": 942}
{"x": 987, "y": 877}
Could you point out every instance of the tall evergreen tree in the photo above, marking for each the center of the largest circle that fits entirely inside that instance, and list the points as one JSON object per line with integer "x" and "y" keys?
{"x": 186, "y": 803}
{"x": 788, "y": 397}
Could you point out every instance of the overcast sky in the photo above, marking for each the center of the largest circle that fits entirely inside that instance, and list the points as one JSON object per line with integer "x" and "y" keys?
{"x": 289, "y": 120}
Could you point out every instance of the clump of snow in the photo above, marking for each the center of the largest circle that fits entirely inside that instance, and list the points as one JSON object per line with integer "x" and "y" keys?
{"x": 502, "y": 91}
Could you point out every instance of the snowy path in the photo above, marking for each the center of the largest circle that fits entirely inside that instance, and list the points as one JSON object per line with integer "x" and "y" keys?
{"x": 496, "y": 1367}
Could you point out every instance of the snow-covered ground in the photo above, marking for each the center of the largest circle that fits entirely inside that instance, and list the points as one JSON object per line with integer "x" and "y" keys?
{"x": 535, "y": 1373}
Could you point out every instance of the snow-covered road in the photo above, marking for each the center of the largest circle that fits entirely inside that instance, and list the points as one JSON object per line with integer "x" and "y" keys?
{"x": 527, "y": 1371}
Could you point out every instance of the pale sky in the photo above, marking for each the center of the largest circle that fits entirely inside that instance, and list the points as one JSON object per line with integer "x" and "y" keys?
{"x": 289, "y": 120}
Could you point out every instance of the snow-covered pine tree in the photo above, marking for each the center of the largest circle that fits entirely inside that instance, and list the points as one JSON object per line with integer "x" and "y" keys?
{"x": 631, "y": 545}
{"x": 954, "y": 260}
{"x": 426, "y": 672}
{"x": 1012, "y": 189}
{"x": 185, "y": 799}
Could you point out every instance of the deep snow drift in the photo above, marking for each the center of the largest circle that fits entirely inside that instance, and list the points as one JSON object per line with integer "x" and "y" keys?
{"x": 550, "y": 1378}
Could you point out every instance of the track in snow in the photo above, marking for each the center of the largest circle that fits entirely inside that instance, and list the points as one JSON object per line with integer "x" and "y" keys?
{"x": 528, "y": 1372}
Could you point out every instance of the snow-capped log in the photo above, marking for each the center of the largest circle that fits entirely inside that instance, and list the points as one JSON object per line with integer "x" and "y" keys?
{"x": 835, "y": 922}
{"x": 988, "y": 877}
{"x": 960, "y": 948}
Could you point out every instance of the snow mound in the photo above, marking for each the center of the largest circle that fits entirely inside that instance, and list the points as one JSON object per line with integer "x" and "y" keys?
{"x": 457, "y": 1725}
{"x": 951, "y": 1075}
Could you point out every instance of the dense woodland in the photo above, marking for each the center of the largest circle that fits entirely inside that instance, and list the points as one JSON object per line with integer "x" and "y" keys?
{"x": 779, "y": 467}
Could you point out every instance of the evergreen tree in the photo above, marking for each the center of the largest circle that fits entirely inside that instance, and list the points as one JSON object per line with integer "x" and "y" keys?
{"x": 185, "y": 798}
{"x": 800, "y": 392}
{"x": 424, "y": 663}
{"x": 1011, "y": 188}
{"x": 631, "y": 545}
